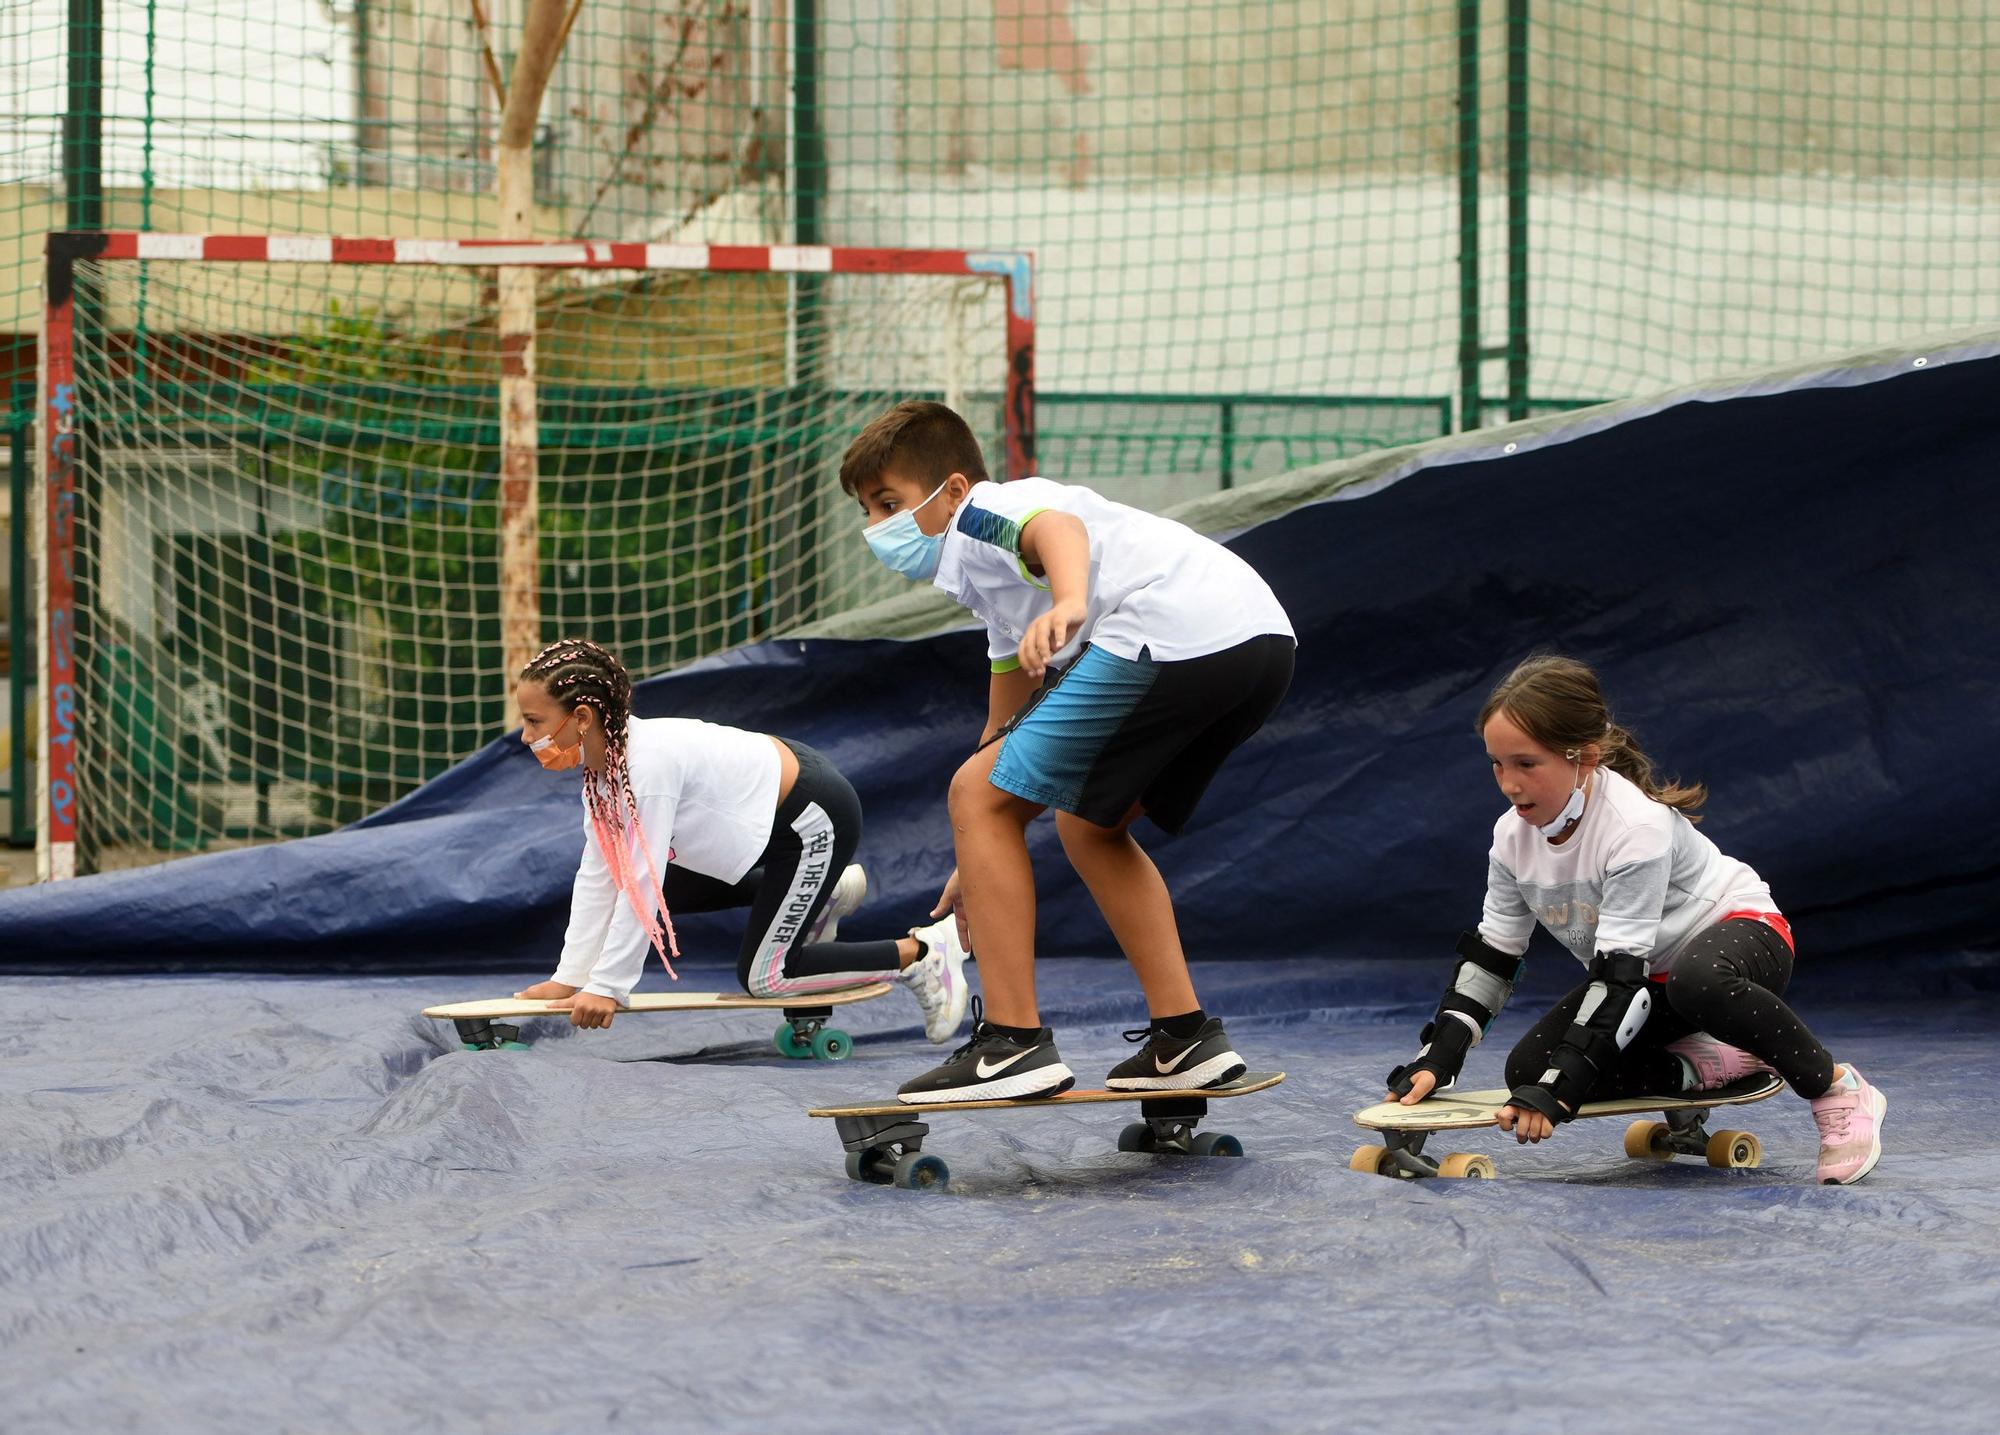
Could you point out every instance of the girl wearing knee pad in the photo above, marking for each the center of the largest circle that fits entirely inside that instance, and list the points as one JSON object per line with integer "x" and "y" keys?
{"x": 1687, "y": 954}
{"x": 732, "y": 819}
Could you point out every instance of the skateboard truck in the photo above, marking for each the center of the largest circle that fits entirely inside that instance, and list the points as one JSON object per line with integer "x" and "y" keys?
{"x": 806, "y": 1034}
{"x": 1403, "y": 1155}
{"x": 479, "y": 1034}
{"x": 1685, "y": 1133}
{"x": 1168, "y": 1128}
{"x": 888, "y": 1151}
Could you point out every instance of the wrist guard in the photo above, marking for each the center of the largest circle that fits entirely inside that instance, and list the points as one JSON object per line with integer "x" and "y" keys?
{"x": 1481, "y": 983}
{"x": 1539, "y": 1098}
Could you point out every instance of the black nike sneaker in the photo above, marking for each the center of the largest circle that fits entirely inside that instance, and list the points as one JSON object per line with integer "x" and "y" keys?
{"x": 992, "y": 1067}
{"x": 1168, "y": 1063}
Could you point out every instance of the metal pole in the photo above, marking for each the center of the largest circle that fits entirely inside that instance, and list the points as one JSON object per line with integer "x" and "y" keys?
{"x": 1228, "y": 444}
{"x": 83, "y": 118}
{"x": 1517, "y": 210}
{"x": 18, "y": 830}
{"x": 808, "y": 135}
{"x": 1470, "y": 409}
{"x": 808, "y": 183}
{"x": 146, "y": 183}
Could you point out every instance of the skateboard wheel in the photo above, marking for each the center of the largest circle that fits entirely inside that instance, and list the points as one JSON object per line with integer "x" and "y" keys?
{"x": 1646, "y": 1141}
{"x": 1215, "y": 1143}
{"x": 1733, "y": 1149}
{"x": 870, "y": 1166}
{"x": 789, "y": 1045}
{"x": 1137, "y": 1137}
{"x": 1467, "y": 1165}
{"x": 831, "y": 1045}
{"x": 1368, "y": 1160}
{"x": 922, "y": 1172}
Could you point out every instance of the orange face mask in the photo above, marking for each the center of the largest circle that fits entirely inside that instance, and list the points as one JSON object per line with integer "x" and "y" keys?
{"x": 557, "y": 759}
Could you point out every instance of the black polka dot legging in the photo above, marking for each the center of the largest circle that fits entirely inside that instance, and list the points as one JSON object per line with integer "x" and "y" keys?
{"x": 1730, "y": 983}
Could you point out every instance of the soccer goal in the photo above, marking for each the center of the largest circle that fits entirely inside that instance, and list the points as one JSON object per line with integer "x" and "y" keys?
{"x": 308, "y": 499}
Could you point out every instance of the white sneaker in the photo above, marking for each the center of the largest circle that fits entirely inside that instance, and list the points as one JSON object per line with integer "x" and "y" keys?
{"x": 848, "y": 895}
{"x": 938, "y": 980}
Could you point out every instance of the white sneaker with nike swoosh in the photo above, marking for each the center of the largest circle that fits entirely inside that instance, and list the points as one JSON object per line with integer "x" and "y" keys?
{"x": 992, "y": 1067}
{"x": 1167, "y": 1063}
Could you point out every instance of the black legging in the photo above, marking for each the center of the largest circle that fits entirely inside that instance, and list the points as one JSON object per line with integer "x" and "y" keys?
{"x": 813, "y": 836}
{"x": 1729, "y": 983}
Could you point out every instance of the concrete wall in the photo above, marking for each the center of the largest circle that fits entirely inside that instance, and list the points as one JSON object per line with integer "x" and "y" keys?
{"x": 1643, "y": 89}
{"x": 653, "y": 111}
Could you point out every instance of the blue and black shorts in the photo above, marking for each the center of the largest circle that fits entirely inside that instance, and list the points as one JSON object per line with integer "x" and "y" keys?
{"x": 1109, "y": 732}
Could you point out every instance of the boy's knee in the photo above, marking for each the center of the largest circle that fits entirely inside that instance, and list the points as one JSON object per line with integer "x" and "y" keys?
{"x": 970, "y": 788}
{"x": 972, "y": 797}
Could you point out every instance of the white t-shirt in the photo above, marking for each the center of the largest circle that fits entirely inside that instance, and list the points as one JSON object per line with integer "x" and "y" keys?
{"x": 707, "y": 795}
{"x": 1636, "y": 876}
{"x": 1154, "y": 583}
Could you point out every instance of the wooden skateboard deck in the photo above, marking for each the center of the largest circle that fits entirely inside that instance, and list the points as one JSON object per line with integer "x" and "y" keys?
{"x": 501, "y": 1007}
{"x": 1682, "y": 1133}
{"x": 805, "y": 1033}
{"x": 885, "y": 1145}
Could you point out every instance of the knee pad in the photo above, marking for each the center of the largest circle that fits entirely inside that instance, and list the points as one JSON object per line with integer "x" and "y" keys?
{"x": 1613, "y": 1012}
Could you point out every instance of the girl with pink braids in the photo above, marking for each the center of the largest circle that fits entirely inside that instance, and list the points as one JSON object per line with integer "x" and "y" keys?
{"x": 682, "y": 815}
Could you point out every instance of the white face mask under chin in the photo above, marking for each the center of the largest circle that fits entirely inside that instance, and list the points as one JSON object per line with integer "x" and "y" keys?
{"x": 1571, "y": 814}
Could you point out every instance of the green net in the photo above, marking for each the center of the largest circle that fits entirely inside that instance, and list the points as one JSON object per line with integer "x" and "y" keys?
{"x": 1266, "y": 235}
{"x": 289, "y": 563}
{"x": 1239, "y": 200}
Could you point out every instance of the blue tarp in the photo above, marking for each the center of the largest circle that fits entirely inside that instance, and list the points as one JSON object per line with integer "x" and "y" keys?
{"x": 272, "y": 1203}
{"x": 268, "y": 1204}
{"x": 1790, "y": 595}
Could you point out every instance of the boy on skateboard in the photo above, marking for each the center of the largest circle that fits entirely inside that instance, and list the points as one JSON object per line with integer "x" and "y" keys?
{"x": 1130, "y": 657}
{"x": 1687, "y": 954}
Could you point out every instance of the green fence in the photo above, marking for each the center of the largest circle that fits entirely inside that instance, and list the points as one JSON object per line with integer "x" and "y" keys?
{"x": 16, "y": 772}
{"x": 1494, "y": 199}
{"x": 1266, "y": 235}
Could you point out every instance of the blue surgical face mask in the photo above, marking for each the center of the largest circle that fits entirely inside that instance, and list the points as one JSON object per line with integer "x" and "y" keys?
{"x": 903, "y": 547}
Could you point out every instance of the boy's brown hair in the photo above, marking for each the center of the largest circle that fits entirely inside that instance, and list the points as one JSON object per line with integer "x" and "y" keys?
{"x": 928, "y": 441}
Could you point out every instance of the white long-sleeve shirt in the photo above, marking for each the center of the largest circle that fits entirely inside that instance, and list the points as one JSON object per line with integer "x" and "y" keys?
{"x": 707, "y": 795}
{"x": 1636, "y": 876}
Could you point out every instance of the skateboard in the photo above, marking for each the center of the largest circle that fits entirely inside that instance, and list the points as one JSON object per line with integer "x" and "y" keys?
{"x": 1683, "y": 1133}
{"x": 885, "y": 1145}
{"x": 805, "y": 1033}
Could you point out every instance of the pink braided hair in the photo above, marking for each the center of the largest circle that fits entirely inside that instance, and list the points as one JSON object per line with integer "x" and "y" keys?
{"x": 575, "y": 672}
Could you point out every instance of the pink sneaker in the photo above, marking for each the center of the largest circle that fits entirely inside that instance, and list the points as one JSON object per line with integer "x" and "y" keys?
{"x": 1714, "y": 1063}
{"x": 1850, "y": 1129}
